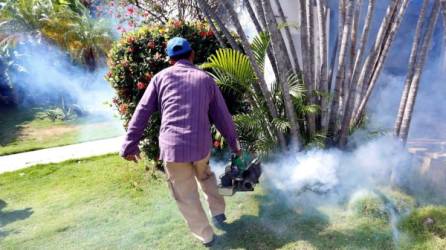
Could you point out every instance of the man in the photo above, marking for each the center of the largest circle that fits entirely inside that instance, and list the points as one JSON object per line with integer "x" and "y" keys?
{"x": 186, "y": 98}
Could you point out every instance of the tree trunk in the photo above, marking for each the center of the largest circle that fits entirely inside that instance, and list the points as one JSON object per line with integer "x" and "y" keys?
{"x": 257, "y": 70}
{"x": 355, "y": 23}
{"x": 411, "y": 69}
{"x": 352, "y": 91}
{"x": 280, "y": 50}
{"x": 332, "y": 123}
{"x": 420, "y": 61}
{"x": 214, "y": 29}
{"x": 311, "y": 35}
{"x": 382, "y": 54}
{"x": 354, "y": 83}
{"x": 323, "y": 48}
{"x": 293, "y": 50}
{"x": 261, "y": 28}
{"x": 204, "y": 6}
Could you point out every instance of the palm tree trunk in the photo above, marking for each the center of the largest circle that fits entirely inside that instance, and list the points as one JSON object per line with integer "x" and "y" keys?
{"x": 289, "y": 38}
{"x": 260, "y": 28}
{"x": 354, "y": 83}
{"x": 421, "y": 60}
{"x": 352, "y": 90}
{"x": 311, "y": 37}
{"x": 247, "y": 48}
{"x": 332, "y": 122}
{"x": 411, "y": 69}
{"x": 380, "y": 57}
{"x": 323, "y": 48}
{"x": 304, "y": 44}
{"x": 214, "y": 29}
{"x": 204, "y": 6}
{"x": 355, "y": 23}
{"x": 280, "y": 50}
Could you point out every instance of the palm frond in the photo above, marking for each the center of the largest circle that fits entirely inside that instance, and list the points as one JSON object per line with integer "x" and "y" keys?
{"x": 281, "y": 124}
{"x": 234, "y": 64}
{"x": 259, "y": 47}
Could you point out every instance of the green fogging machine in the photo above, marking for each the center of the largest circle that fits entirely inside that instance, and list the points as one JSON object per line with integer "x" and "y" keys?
{"x": 241, "y": 175}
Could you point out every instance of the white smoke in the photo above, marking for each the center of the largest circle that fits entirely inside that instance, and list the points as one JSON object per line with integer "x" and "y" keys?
{"x": 336, "y": 172}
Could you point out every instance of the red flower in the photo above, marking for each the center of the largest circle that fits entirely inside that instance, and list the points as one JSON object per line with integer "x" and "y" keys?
{"x": 149, "y": 76}
{"x": 177, "y": 24}
{"x": 109, "y": 74}
{"x": 130, "y": 39}
{"x": 151, "y": 45}
{"x": 130, "y": 10}
{"x": 141, "y": 85}
{"x": 210, "y": 33}
{"x": 123, "y": 108}
{"x": 216, "y": 144}
{"x": 203, "y": 34}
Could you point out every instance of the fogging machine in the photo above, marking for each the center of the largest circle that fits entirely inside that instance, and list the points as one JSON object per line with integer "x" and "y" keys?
{"x": 241, "y": 175}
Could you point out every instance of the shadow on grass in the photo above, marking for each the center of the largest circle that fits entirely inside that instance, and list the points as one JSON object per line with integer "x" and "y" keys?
{"x": 11, "y": 119}
{"x": 10, "y": 217}
{"x": 279, "y": 225}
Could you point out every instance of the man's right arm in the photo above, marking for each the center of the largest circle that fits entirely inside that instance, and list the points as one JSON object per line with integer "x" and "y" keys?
{"x": 146, "y": 106}
{"x": 219, "y": 114}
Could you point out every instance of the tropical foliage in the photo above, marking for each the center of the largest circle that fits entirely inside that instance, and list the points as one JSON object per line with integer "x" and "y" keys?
{"x": 232, "y": 70}
{"x": 339, "y": 83}
{"x": 139, "y": 55}
{"x": 67, "y": 24}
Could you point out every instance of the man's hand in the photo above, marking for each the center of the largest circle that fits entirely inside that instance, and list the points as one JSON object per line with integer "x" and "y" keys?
{"x": 135, "y": 158}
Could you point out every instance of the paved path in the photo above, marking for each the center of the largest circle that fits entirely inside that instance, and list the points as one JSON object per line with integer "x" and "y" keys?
{"x": 58, "y": 154}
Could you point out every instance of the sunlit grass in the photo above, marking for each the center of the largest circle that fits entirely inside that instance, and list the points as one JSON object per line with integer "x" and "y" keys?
{"x": 107, "y": 203}
{"x": 21, "y": 130}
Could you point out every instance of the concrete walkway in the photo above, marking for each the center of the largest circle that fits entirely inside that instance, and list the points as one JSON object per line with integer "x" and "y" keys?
{"x": 58, "y": 154}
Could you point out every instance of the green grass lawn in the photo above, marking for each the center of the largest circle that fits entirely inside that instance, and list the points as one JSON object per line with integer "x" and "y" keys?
{"x": 106, "y": 203}
{"x": 21, "y": 130}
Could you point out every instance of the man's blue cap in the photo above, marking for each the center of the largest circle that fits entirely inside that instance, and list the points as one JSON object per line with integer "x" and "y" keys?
{"x": 177, "y": 46}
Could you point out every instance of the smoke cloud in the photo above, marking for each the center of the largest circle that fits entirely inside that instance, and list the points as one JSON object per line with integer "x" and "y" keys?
{"x": 337, "y": 174}
{"x": 48, "y": 75}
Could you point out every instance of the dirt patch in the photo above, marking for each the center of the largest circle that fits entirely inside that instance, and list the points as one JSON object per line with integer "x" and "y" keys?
{"x": 29, "y": 133}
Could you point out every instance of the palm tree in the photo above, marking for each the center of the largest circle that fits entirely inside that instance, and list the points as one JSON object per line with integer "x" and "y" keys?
{"x": 258, "y": 72}
{"x": 420, "y": 61}
{"x": 233, "y": 70}
{"x": 410, "y": 73}
{"x": 284, "y": 63}
{"x": 65, "y": 24}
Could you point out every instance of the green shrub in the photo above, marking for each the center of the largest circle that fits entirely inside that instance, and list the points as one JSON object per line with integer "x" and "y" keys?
{"x": 425, "y": 222}
{"x": 139, "y": 55}
{"x": 402, "y": 202}
{"x": 367, "y": 204}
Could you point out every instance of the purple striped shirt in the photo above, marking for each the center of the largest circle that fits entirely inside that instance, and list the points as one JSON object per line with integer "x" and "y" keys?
{"x": 187, "y": 98}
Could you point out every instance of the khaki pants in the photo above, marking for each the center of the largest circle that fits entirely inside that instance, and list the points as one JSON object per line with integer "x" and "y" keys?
{"x": 182, "y": 179}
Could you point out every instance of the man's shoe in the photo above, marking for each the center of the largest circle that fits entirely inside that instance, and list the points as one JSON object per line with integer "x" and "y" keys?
{"x": 219, "y": 220}
{"x": 210, "y": 243}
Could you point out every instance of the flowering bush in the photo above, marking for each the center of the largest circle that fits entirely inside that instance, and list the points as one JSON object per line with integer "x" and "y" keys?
{"x": 139, "y": 55}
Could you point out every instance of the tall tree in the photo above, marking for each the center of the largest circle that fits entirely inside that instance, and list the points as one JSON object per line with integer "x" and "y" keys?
{"x": 411, "y": 69}
{"x": 420, "y": 61}
{"x": 284, "y": 65}
{"x": 204, "y": 6}
{"x": 339, "y": 82}
{"x": 261, "y": 80}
